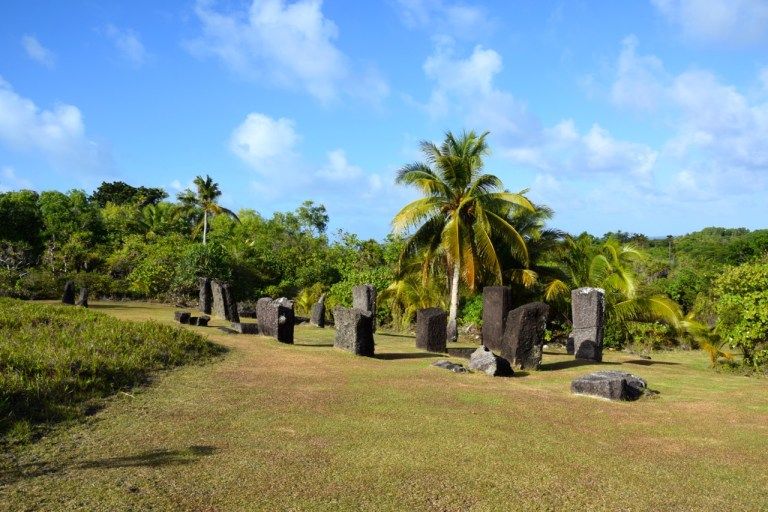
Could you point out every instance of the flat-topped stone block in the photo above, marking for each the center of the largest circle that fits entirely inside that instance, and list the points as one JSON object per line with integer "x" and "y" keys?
{"x": 497, "y": 302}
{"x": 611, "y": 385}
{"x": 431, "y": 325}
{"x": 354, "y": 330}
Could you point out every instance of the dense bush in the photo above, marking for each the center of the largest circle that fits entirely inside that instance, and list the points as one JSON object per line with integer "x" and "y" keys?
{"x": 742, "y": 308}
{"x": 54, "y": 360}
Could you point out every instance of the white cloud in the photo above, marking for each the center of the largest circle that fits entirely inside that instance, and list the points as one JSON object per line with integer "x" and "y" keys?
{"x": 58, "y": 134}
{"x": 289, "y": 45}
{"x": 464, "y": 87}
{"x": 263, "y": 142}
{"x": 10, "y": 181}
{"x": 734, "y": 22}
{"x": 639, "y": 78}
{"x": 453, "y": 19}
{"x": 338, "y": 168}
{"x": 37, "y": 52}
{"x": 128, "y": 44}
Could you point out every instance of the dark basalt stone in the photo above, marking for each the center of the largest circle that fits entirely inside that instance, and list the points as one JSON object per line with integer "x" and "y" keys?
{"x": 588, "y": 311}
{"x": 431, "y": 329}
{"x": 83, "y": 300}
{"x": 317, "y": 315}
{"x": 454, "y": 367}
{"x": 202, "y": 321}
{"x": 364, "y": 298}
{"x": 354, "y": 330}
{"x": 276, "y": 318}
{"x": 181, "y": 316}
{"x": 497, "y": 302}
{"x": 206, "y": 297}
{"x": 483, "y": 360}
{"x": 611, "y": 385}
{"x": 524, "y": 335}
{"x": 69, "y": 293}
{"x": 224, "y": 305}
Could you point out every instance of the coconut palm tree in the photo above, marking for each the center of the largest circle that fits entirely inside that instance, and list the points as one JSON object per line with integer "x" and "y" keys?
{"x": 204, "y": 199}
{"x": 462, "y": 209}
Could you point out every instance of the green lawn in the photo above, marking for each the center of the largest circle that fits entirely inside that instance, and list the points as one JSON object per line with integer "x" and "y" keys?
{"x": 308, "y": 427}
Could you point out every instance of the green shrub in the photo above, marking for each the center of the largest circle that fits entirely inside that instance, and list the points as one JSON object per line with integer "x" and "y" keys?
{"x": 55, "y": 360}
{"x": 741, "y": 302}
{"x": 472, "y": 311}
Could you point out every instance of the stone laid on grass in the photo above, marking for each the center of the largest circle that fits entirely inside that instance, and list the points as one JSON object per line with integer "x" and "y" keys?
{"x": 354, "y": 330}
{"x": 611, "y": 385}
{"x": 497, "y": 302}
{"x": 431, "y": 329}
{"x": 202, "y": 321}
{"x": 524, "y": 335}
{"x": 69, "y": 293}
{"x": 206, "y": 297}
{"x": 483, "y": 360}
{"x": 276, "y": 318}
{"x": 317, "y": 314}
{"x": 192, "y": 320}
{"x": 245, "y": 328}
{"x": 454, "y": 367}
{"x": 83, "y": 300}
{"x": 364, "y": 298}
{"x": 588, "y": 310}
{"x": 181, "y": 316}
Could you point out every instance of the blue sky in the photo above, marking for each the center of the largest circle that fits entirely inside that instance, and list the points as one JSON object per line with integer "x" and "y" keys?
{"x": 647, "y": 116}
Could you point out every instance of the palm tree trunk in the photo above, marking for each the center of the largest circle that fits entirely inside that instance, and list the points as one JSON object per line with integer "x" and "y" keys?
{"x": 452, "y": 331}
{"x": 205, "y": 226}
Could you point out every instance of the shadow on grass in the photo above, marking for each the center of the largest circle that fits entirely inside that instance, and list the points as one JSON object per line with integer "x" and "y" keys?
{"x": 12, "y": 472}
{"x": 407, "y": 355}
{"x": 314, "y": 345}
{"x": 648, "y": 362}
{"x": 572, "y": 363}
{"x": 152, "y": 458}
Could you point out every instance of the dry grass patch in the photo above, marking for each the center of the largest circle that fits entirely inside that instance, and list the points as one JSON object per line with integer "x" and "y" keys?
{"x": 308, "y": 427}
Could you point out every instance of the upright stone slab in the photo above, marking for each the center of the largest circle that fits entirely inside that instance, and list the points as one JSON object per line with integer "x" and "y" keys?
{"x": 588, "y": 309}
{"x": 223, "y": 304}
{"x": 276, "y": 318}
{"x": 69, "y": 293}
{"x": 317, "y": 315}
{"x": 354, "y": 330}
{"x": 83, "y": 300}
{"x": 497, "y": 302}
{"x": 206, "y": 298}
{"x": 523, "y": 341}
{"x": 230, "y": 305}
{"x": 218, "y": 307}
{"x": 431, "y": 329}
{"x": 364, "y": 298}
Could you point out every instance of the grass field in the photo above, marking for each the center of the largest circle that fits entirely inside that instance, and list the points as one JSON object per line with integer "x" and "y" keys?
{"x": 308, "y": 427}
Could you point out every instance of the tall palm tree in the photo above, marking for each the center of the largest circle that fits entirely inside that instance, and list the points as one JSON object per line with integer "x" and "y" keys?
{"x": 204, "y": 198}
{"x": 461, "y": 210}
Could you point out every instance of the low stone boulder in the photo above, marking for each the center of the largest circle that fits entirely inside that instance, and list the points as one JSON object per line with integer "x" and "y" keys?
{"x": 83, "y": 300}
{"x": 202, "y": 321}
{"x": 245, "y": 328}
{"x": 454, "y": 367}
{"x": 354, "y": 330}
{"x": 483, "y": 360}
{"x": 192, "y": 320}
{"x": 611, "y": 385}
{"x": 431, "y": 329}
{"x": 181, "y": 316}
{"x": 69, "y": 293}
